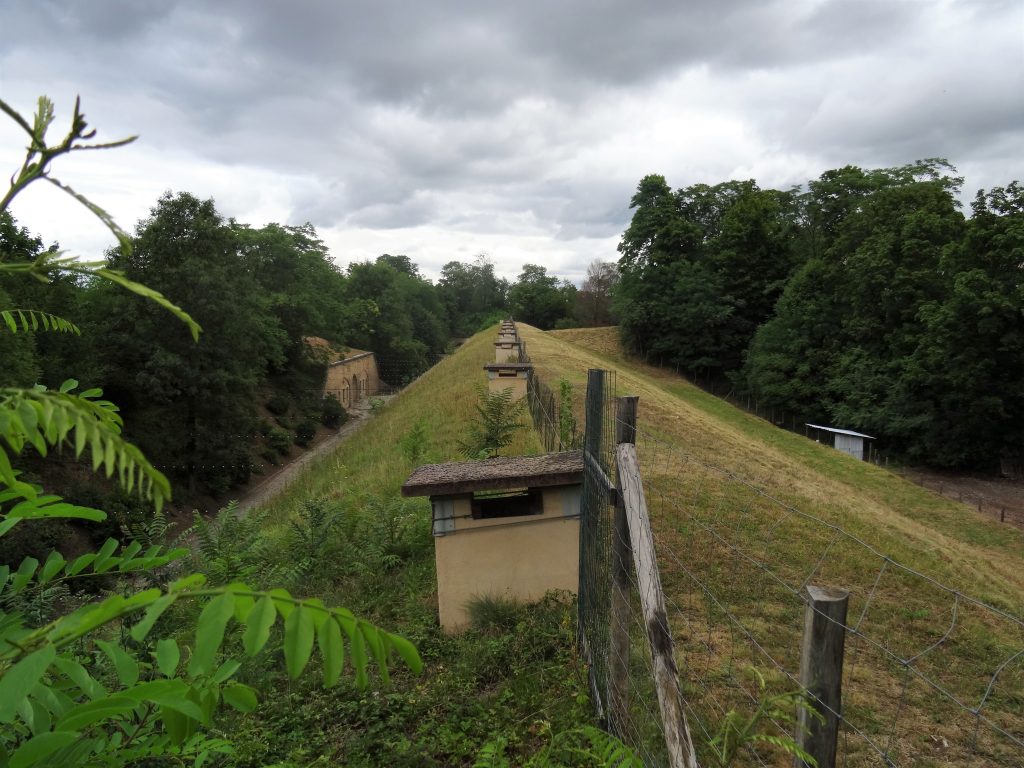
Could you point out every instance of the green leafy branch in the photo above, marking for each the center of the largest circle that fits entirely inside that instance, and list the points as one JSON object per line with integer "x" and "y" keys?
{"x": 185, "y": 696}
{"x": 32, "y": 319}
{"x": 50, "y": 262}
{"x": 737, "y": 731}
{"x": 46, "y": 418}
{"x": 102, "y": 562}
{"x": 39, "y": 155}
{"x": 36, "y": 166}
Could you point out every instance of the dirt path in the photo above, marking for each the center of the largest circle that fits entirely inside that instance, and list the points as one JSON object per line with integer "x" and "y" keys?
{"x": 275, "y": 483}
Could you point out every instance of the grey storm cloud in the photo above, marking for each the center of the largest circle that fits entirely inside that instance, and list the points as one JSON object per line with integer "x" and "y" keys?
{"x": 487, "y": 116}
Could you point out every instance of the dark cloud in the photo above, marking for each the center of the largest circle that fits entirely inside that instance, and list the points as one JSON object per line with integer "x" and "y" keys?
{"x": 485, "y": 117}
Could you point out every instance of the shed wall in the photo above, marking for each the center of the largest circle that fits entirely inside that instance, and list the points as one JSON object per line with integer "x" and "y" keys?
{"x": 851, "y": 445}
{"x": 517, "y": 383}
{"x": 516, "y": 557}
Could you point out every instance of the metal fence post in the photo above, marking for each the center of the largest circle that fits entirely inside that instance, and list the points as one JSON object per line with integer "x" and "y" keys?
{"x": 595, "y": 390}
{"x": 622, "y": 556}
{"x": 821, "y": 673}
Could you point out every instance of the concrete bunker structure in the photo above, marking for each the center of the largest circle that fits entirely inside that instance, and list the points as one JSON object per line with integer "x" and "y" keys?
{"x": 503, "y": 527}
{"x": 514, "y": 376}
{"x": 507, "y": 351}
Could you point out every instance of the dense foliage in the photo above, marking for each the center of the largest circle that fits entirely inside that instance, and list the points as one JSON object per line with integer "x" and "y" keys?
{"x": 193, "y": 407}
{"x": 867, "y": 300}
{"x": 105, "y": 676}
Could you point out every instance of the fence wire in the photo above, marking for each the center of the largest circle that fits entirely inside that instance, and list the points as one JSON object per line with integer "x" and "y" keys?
{"x": 545, "y": 410}
{"x": 932, "y": 676}
{"x": 595, "y": 533}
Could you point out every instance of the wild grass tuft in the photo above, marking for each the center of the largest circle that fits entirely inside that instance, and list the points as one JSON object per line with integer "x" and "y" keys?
{"x": 494, "y": 613}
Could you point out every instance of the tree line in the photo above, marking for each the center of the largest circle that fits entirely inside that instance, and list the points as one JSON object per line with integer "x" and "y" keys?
{"x": 258, "y": 293}
{"x": 866, "y": 299}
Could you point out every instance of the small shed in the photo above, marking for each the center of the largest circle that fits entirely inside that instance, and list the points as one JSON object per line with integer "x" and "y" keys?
{"x": 514, "y": 376}
{"x": 503, "y": 527}
{"x": 846, "y": 440}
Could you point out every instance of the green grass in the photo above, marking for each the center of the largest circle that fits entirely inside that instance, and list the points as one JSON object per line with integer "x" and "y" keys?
{"x": 692, "y": 449}
{"x": 518, "y": 684}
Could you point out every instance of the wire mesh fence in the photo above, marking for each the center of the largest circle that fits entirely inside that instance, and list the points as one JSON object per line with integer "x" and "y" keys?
{"x": 932, "y": 676}
{"x": 552, "y": 418}
{"x": 595, "y": 534}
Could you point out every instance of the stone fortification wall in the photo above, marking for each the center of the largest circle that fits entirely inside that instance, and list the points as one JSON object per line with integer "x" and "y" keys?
{"x": 353, "y": 379}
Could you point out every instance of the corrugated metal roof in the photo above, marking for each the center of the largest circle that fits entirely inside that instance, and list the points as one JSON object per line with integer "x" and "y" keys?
{"x": 841, "y": 431}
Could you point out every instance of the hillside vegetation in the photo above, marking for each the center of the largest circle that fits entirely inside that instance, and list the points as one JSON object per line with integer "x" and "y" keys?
{"x": 728, "y": 492}
{"x": 912, "y": 524}
{"x": 513, "y": 684}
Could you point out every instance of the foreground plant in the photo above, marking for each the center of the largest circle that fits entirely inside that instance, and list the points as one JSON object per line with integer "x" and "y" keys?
{"x": 108, "y": 683}
{"x": 497, "y": 423}
{"x": 737, "y": 732}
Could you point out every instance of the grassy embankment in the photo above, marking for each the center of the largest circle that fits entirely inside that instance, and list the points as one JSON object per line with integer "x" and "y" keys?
{"x": 510, "y": 684}
{"x": 516, "y": 684}
{"x": 702, "y": 516}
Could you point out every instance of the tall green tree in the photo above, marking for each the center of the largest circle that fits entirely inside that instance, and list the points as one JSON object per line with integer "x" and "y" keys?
{"x": 962, "y": 386}
{"x": 538, "y": 298}
{"x": 472, "y": 295}
{"x": 701, "y": 269}
{"x": 847, "y": 343}
{"x": 192, "y": 406}
{"x": 408, "y": 327}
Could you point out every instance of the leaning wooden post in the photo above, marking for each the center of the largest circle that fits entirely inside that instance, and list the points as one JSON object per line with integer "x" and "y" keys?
{"x": 821, "y": 673}
{"x": 618, "y": 694}
{"x": 652, "y": 600}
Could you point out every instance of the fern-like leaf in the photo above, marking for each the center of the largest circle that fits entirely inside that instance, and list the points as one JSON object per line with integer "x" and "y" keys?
{"x": 32, "y": 320}
{"x": 46, "y": 418}
{"x": 53, "y": 262}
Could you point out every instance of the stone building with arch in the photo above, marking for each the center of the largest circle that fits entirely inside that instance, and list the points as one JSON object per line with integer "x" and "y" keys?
{"x": 352, "y": 378}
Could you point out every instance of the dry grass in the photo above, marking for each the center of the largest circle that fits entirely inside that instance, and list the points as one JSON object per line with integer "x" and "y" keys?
{"x": 718, "y": 538}
{"x": 372, "y": 461}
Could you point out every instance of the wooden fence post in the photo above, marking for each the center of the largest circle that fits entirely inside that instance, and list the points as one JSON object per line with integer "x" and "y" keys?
{"x": 821, "y": 673}
{"x": 652, "y": 600}
{"x": 622, "y": 556}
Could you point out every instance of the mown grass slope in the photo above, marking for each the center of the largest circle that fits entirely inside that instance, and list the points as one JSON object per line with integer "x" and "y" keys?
{"x": 736, "y": 505}
{"x": 362, "y": 546}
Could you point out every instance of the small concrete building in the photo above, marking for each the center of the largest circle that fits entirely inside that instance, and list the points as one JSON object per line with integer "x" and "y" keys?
{"x": 352, "y": 378}
{"x": 502, "y": 376}
{"x": 503, "y": 527}
{"x": 846, "y": 440}
{"x": 507, "y": 351}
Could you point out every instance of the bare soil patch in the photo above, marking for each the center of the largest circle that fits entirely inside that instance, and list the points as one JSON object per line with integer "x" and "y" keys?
{"x": 1001, "y": 498}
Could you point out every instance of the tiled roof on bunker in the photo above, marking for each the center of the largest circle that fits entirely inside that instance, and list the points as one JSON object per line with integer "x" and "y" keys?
{"x": 497, "y": 474}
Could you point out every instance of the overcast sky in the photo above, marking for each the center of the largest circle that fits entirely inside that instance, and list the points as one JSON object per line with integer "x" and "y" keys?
{"x": 442, "y": 130}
